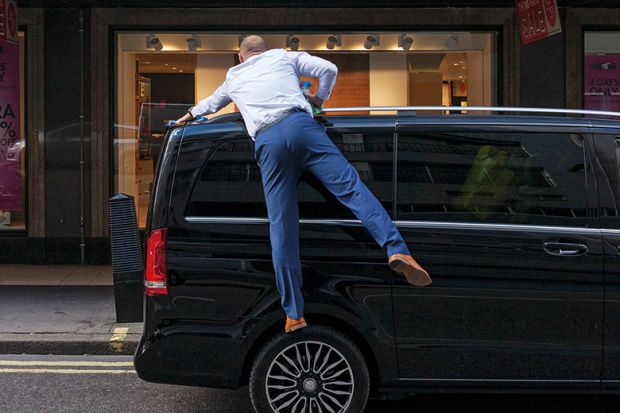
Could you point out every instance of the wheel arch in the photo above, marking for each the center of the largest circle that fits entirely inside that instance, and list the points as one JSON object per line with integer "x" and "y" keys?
{"x": 323, "y": 319}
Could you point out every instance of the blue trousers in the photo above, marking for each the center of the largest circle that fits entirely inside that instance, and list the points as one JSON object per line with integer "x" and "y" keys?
{"x": 284, "y": 151}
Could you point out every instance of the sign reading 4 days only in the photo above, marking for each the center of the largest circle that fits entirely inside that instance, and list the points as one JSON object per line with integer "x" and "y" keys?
{"x": 10, "y": 122}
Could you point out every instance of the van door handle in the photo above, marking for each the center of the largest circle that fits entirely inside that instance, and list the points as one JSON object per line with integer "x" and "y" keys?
{"x": 565, "y": 249}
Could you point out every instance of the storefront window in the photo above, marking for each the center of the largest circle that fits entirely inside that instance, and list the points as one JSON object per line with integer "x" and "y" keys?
{"x": 602, "y": 71}
{"x": 160, "y": 75}
{"x": 12, "y": 134}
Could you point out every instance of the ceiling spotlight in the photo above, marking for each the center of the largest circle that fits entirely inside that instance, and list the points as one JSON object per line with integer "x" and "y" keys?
{"x": 452, "y": 42}
{"x": 405, "y": 42}
{"x": 193, "y": 42}
{"x": 371, "y": 40}
{"x": 333, "y": 41}
{"x": 153, "y": 42}
{"x": 292, "y": 42}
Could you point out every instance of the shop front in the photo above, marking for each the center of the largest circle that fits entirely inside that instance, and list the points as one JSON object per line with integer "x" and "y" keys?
{"x": 160, "y": 74}
{"x": 387, "y": 57}
{"x": 99, "y": 82}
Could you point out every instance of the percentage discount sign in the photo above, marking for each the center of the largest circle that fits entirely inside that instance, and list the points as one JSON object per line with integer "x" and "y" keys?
{"x": 7, "y": 127}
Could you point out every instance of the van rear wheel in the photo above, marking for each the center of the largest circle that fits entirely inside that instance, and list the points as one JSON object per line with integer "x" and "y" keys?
{"x": 311, "y": 370}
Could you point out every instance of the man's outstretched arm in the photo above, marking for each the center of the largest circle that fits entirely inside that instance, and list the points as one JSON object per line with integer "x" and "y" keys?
{"x": 212, "y": 104}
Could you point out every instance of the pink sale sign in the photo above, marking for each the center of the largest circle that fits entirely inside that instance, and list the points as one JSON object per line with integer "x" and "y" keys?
{"x": 601, "y": 82}
{"x": 10, "y": 130}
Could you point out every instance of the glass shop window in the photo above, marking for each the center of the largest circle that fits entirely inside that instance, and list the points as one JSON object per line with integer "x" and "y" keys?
{"x": 13, "y": 211}
{"x": 155, "y": 68}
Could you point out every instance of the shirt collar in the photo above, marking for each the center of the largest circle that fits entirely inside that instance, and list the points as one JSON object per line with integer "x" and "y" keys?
{"x": 252, "y": 57}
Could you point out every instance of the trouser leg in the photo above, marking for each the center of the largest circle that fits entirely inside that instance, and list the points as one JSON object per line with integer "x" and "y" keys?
{"x": 329, "y": 165}
{"x": 280, "y": 175}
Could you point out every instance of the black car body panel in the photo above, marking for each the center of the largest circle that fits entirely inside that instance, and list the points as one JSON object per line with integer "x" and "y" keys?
{"x": 504, "y": 311}
{"x": 605, "y": 148}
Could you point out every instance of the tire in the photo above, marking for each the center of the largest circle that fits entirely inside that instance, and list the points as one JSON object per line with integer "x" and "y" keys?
{"x": 337, "y": 374}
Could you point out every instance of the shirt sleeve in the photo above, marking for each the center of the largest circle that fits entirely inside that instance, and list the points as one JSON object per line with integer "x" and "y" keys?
{"x": 313, "y": 66}
{"x": 213, "y": 103}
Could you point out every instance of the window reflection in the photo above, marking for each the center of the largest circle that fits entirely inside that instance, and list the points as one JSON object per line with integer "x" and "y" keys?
{"x": 230, "y": 182}
{"x": 498, "y": 178}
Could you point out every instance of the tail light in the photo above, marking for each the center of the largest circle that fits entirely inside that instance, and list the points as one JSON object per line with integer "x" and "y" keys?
{"x": 155, "y": 280}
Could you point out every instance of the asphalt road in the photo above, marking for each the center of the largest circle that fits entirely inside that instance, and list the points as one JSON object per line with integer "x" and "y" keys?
{"x": 109, "y": 384}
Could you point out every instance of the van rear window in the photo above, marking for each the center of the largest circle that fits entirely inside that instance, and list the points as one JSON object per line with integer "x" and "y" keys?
{"x": 229, "y": 184}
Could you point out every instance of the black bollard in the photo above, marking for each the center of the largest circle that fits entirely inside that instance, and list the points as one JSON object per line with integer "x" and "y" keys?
{"x": 127, "y": 259}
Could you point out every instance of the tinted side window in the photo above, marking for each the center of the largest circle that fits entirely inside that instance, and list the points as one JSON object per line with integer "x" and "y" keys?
{"x": 514, "y": 178}
{"x": 229, "y": 184}
{"x": 371, "y": 154}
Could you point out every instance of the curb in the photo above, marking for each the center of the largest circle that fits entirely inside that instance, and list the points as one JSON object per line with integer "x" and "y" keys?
{"x": 68, "y": 344}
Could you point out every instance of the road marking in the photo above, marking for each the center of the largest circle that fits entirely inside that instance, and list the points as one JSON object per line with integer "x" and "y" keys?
{"x": 67, "y": 371}
{"x": 66, "y": 363}
{"x": 117, "y": 341}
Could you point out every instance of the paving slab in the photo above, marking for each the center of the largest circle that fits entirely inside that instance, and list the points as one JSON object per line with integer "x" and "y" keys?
{"x": 38, "y": 275}
{"x": 63, "y": 319}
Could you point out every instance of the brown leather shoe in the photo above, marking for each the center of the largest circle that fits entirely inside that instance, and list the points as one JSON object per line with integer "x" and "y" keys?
{"x": 406, "y": 265}
{"x": 294, "y": 325}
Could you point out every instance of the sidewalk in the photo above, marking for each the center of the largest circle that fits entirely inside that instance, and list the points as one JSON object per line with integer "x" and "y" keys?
{"x": 61, "y": 309}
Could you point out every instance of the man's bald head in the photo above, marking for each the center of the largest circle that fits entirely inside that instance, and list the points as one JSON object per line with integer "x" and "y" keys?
{"x": 250, "y": 46}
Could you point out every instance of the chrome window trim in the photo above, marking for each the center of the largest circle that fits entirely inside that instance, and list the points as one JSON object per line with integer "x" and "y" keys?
{"x": 226, "y": 220}
{"x": 412, "y": 224}
{"x": 495, "y": 227}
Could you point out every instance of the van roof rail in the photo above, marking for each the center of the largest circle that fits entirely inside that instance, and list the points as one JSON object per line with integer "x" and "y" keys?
{"x": 412, "y": 110}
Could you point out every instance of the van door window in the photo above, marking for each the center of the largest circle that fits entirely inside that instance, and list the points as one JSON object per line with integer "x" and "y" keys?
{"x": 513, "y": 178}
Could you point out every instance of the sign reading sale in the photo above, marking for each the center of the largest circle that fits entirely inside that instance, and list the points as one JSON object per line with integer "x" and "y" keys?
{"x": 10, "y": 123}
{"x": 538, "y": 19}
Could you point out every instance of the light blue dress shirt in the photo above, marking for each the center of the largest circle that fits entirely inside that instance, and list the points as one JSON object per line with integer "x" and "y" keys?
{"x": 266, "y": 85}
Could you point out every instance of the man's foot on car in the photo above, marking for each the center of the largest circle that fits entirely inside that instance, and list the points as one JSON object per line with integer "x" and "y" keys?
{"x": 294, "y": 325}
{"x": 406, "y": 265}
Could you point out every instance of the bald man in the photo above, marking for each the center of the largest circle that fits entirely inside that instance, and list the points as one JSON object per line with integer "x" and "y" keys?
{"x": 265, "y": 88}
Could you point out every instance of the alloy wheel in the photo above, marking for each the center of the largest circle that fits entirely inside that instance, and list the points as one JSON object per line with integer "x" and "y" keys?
{"x": 309, "y": 376}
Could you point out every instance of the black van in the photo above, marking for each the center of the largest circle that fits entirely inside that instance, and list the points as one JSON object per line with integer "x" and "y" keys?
{"x": 516, "y": 217}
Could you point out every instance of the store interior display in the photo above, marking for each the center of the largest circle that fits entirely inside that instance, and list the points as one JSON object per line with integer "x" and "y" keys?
{"x": 161, "y": 75}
